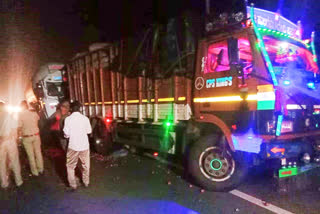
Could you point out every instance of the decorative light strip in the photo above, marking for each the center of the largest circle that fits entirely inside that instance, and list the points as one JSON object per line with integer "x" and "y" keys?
{"x": 217, "y": 99}
{"x": 224, "y": 99}
{"x": 313, "y": 47}
{"x": 316, "y": 106}
{"x": 263, "y": 48}
{"x": 295, "y": 106}
{"x": 252, "y": 97}
{"x": 168, "y": 99}
{"x": 133, "y": 101}
{"x": 280, "y": 34}
{"x": 279, "y": 123}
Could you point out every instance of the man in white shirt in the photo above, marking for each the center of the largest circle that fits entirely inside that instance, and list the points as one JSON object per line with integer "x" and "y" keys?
{"x": 76, "y": 128}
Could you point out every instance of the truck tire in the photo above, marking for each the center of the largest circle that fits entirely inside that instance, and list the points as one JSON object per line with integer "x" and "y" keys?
{"x": 101, "y": 138}
{"x": 102, "y": 145}
{"x": 215, "y": 167}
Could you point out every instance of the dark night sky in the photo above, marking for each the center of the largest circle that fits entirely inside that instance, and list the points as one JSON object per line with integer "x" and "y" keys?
{"x": 33, "y": 32}
{"x": 67, "y": 26}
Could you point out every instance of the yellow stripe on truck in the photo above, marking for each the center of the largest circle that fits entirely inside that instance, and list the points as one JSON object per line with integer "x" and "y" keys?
{"x": 168, "y": 99}
{"x": 251, "y": 97}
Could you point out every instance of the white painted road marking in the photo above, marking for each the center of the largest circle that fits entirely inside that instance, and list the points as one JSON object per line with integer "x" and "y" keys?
{"x": 259, "y": 202}
{"x": 235, "y": 192}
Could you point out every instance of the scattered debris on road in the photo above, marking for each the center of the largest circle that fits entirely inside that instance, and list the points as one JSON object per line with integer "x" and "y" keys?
{"x": 120, "y": 153}
{"x": 115, "y": 155}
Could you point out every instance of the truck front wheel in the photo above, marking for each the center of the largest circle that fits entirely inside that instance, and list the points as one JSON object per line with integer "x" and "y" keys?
{"x": 214, "y": 167}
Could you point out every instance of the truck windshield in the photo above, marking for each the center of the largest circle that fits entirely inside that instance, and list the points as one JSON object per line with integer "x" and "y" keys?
{"x": 54, "y": 88}
{"x": 290, "y": 59}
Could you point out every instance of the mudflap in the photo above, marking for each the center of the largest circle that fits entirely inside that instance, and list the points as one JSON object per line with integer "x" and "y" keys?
{"x": 295, "y": 179}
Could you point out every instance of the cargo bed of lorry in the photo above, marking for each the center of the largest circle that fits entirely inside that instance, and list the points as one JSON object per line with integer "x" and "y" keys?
{"x": 224, "y": 107}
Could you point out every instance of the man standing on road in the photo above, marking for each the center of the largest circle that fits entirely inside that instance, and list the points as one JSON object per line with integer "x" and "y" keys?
{"x": 65, "y": 108}
{"x": 76, "y": 128}
{"x": 28, "y": 123}
{"x": 57, "y": 124}
{"x": 9, "y": 148}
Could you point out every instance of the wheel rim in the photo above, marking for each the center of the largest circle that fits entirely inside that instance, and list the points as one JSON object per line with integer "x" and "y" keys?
{"x": 216, "y": 165}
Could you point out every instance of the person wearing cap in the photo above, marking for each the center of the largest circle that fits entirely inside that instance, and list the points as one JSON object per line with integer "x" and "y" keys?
{"x": 28, "y": 125}
{"x": 9, "y": 148}
{"x": 76, "y": 128}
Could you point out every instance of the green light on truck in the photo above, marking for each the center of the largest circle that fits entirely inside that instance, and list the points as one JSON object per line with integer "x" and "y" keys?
{"x": 263, "y": 49}
{"x": 217, "y": 166}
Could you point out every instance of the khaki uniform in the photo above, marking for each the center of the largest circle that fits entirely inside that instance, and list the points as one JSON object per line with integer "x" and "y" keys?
{"x": 72, "y": 161}
{"x": 28, "y": 122}
{"x": 9, "y": 150}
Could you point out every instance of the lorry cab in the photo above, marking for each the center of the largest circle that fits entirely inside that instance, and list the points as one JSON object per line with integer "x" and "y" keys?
{"x": 253, "y": 77}
{"x": 254, "y": 84}
{"x": 257, "y": 84}
{"x": 49, "y": 86}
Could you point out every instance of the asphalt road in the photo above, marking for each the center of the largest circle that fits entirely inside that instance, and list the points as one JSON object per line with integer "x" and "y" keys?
{"x": 138, "y": 184}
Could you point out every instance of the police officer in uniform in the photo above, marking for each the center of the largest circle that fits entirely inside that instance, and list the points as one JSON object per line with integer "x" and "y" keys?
{"x": 8, "y": 148}
{"x": 28, "y": 125}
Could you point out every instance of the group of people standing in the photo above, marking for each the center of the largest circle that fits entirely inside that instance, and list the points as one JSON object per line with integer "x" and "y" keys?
{"x": 70, "y": 129}
{"x": 13, "y": 127}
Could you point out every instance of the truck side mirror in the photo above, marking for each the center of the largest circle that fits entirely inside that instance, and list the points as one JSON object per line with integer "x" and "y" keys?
{"x": 233, "y": 53}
